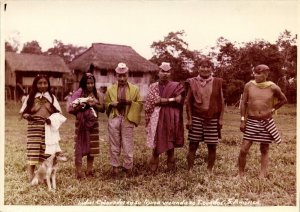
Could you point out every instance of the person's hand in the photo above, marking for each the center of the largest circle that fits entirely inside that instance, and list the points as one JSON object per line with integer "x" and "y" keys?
{"x": 82, "y": 105}
{"x": 91, "y": 101}
{"x": 220, "y": 124}
{"x": 189, "y": 125}
{"x": 114, "y": 104}
{"x": 164, "y": 100}
{"x": 161, "y": 101}
{"x": 28, "y": 117}
{"x": 48, "y": 121}
{"x": 125, "y": 102}
{"x": 178, "y": 99}
{"x": 243, "y": 126}
{"x": 157, "y": 102}
{"x": 128, "y": 102}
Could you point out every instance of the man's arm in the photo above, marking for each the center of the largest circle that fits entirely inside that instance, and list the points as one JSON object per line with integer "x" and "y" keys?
{"x": 108, "y": 103}
{"x": 99, "y": 104}
{"x": 280, "y": 96}
{"x": 244, "y": 104}
{"x": 139, "y": 98}
{"x": 188, "y": 108}
{"x": 222, "y": 108}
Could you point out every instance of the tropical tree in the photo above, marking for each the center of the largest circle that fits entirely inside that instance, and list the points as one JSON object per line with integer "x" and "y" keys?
{"x": 288, "y": 49}
{"x": 66, "y": 51}
{"x": 235, "y": 64}
{"x": 32, "y": 47}
{"x": 12, "y": 41}
{"x": 175, "y": 50}
{"x": 10, "y": 48}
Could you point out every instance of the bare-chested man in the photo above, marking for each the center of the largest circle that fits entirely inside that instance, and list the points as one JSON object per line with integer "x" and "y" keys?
{"x": 258, "y": 104}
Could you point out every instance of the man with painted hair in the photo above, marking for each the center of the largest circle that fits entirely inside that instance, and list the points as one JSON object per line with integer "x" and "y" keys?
{"x": 124, "y": 105}
{"x": 257, "y": 106}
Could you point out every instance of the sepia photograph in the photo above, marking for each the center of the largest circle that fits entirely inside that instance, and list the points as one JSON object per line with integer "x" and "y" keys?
{"x": 147, "y": 104}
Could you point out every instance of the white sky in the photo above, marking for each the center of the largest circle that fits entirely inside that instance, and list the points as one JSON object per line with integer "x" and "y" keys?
{"x": 138, "y": 23}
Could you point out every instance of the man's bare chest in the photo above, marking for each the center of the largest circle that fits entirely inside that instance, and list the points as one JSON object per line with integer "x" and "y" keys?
{"x": 255, "y": 93}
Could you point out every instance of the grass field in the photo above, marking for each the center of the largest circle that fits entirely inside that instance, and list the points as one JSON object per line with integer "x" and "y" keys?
{"x": 175, "y": 188}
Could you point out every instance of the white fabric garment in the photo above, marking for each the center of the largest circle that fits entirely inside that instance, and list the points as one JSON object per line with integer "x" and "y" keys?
{"x": 151, "y": 128}
{"x": 52, "y": 136}
{"x": 40, "y": 95}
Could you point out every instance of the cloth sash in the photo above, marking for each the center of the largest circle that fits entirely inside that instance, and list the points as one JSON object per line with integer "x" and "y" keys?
{"x": 52, "y": 136}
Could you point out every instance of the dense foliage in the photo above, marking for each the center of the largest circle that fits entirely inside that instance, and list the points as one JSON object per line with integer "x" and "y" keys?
{"x": 234, "y": 62}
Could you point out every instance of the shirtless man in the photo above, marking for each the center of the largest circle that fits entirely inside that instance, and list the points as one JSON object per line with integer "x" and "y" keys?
{"x": 257, "y": 124}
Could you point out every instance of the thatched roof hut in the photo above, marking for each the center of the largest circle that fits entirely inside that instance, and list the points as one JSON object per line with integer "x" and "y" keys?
{"x": 107, "y": 56}
{"x": 34, "y": 62}
{"x": 20, "y": 70}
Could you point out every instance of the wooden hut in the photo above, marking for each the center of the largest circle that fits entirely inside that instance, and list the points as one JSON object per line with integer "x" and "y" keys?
{"x": 21, "y": 69}
{"x": 105, "y": 58}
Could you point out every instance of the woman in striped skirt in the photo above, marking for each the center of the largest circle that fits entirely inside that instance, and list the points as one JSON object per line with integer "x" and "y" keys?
{"x": 36, "y": 109}
{"x": 85, "y": 104}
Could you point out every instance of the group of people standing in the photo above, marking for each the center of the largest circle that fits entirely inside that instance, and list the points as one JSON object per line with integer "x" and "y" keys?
{"x": 163, "y": 105}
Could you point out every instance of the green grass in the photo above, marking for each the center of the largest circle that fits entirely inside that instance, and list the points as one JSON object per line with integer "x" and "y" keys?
{"x": 165, "y": 188}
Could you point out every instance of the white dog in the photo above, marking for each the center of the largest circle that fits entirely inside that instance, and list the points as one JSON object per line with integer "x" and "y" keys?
{"x": 47, "y": 171}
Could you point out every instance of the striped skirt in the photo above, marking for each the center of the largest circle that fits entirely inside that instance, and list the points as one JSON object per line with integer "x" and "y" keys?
{"x": 36, "y": 141}
{"x": 262, "y": 131}
{"x": 94, "y": 139}
{"x": 204, "y": 131}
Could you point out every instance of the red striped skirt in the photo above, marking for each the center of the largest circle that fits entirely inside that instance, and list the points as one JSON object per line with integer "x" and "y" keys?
{"x": 94, "y": 138}
{"x": 36, "y": 141}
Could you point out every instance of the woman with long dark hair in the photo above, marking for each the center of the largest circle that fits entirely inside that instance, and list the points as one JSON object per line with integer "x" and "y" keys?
{"x": 38, "y": 106}
{"x": 86, "y": 102}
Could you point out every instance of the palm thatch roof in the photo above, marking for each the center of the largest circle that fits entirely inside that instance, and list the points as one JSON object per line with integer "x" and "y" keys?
{"x": 34, "y": 62}
{"x": 107, "y": 56}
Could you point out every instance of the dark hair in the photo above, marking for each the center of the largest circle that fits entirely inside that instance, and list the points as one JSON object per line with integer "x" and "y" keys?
{"x": 83, "y": 83}
{"x": 206, "y": 62}
{"x": 262, "y": 67}
{"x": 34, "y": 90}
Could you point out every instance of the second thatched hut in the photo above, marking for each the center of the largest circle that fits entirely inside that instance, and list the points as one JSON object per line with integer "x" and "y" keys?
{"x": 104, "y": 58}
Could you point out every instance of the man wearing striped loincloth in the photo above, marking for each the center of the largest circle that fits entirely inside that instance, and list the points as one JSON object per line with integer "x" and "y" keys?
{"x": 205, "y": 108}
{"x": 257, "y": 124}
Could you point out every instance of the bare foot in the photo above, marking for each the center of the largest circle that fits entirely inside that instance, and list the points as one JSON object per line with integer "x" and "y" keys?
{"x": 262, "y": 176}
{"x": 210, "y": 172}
{"x": 242, "y": 175}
